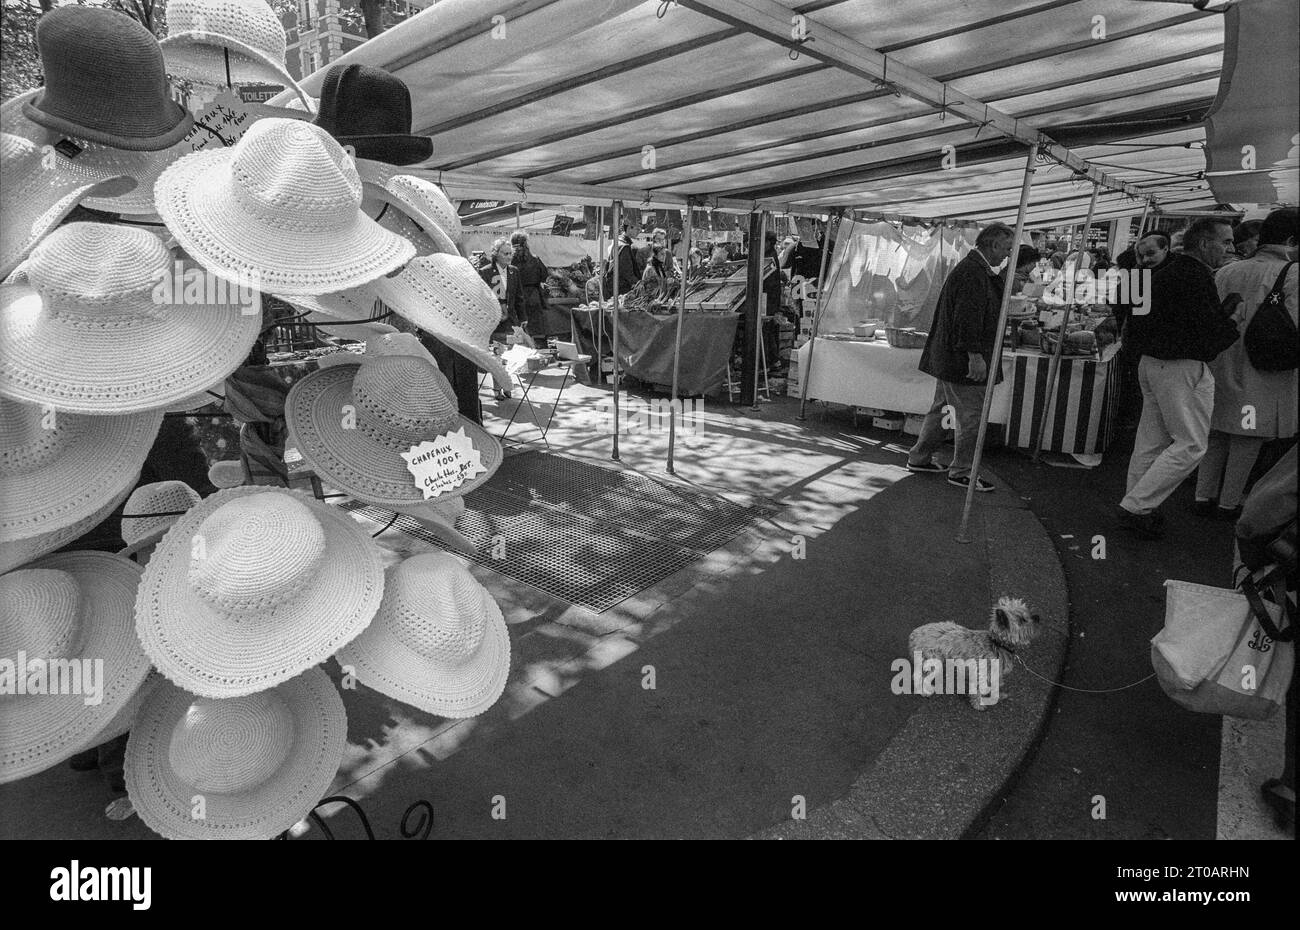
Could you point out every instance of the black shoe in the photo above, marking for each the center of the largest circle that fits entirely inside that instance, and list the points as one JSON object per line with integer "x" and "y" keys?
{"x": 980, "y": 484}
{"x": 1146, "y": 525}
{"x": 930, "y": 467}
{"x": 1204, "y": 508}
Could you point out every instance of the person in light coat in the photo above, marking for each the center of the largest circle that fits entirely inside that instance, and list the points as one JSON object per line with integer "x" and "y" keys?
{"x": 1250, "y": 406}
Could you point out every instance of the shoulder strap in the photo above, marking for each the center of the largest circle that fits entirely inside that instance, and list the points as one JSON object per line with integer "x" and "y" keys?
{"x": 1280, "y": 283}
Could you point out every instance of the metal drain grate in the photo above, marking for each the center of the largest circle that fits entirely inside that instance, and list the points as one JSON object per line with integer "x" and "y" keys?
{"x": 589, "y": 535}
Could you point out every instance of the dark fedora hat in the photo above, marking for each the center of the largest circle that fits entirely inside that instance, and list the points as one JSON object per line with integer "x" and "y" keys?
{"x": 370, "y": 110}
{"x": 105, "y": 81}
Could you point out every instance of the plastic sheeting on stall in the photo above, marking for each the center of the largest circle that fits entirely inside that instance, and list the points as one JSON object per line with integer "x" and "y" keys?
{"x": 554, "y": 251}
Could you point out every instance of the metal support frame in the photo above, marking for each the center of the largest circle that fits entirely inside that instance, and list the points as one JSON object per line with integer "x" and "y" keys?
{"x": 677, "y": 347}
{"x": 759, "y": 248}
{"x": 1054, "y": 369}
{"x": 823, "y": 291}
{"x": 600, "y": 297}
{"x": 995, "y": 364}
{"x": 617, "y": 229}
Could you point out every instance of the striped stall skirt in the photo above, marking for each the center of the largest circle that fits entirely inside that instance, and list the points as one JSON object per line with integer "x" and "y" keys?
{"x": 1084, "y": 407}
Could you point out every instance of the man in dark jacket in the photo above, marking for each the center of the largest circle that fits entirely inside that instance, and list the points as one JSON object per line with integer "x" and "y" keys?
{"x": 503, "y": 278}
{"x": 630, "y": 268}
{"x": 532, "y": 283}
{"x": 959, "y": 351}
{"x": 1182, "y": 332}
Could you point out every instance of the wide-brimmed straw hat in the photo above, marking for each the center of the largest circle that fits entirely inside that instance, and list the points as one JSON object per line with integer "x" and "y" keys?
{"x": 398, "y": 401}
{"x": 21, "y": 551}
{"x": 253, "y": 586}
{"x": 70, "y": 612}
{"x": 260, "y": 763}
{"x": 151, "y": 510}
{"x": 439, "y": 641}
{"x": 59, "y": 468}
{"x": 105, "y": 81}
{"x": 109, "y": 321}
{"x": 445, "y": 297}
{"x": 224, "y": 42}
{"x": 63, "y": 160}
{"x": 370, "y": 110}
{"x": 36, "y": 196}
{"x": 281, "y": 207}
{"x": 357, "y": 332}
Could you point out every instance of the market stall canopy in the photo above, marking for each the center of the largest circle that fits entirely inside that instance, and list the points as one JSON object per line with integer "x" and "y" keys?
{"x": 554, "y": 251}
{"x": 1254, "y": 129}
{"x": 921, "y": 108}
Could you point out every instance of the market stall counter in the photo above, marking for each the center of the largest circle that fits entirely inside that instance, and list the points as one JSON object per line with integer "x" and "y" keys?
{"x": 646, "y": 342}
{"x": 870, "y": 373}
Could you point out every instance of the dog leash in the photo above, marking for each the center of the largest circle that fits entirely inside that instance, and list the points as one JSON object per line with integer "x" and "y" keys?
{"x": 1080, "y": 690}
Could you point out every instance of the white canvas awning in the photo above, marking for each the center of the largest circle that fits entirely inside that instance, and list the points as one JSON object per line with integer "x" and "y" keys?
{"x": 572, "y": 101}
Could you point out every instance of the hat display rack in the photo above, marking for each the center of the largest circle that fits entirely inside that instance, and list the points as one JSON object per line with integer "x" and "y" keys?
{"x": 215, "y": 619}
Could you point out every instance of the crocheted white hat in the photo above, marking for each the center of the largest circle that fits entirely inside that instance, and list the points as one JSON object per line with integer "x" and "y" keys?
{"x": 439, "y": 641}
{"x": 282, "y": 207}
{"x": 258, "y": 763}
{"x": 445, "y": 297}
{"x": 224, "y": 42}
{"x": 59, "y": 468}
{"x": 109, "y": 321}
{"x": 65, "y": 630}
{"x": 122, "y": 180}
{"x": 152, "y": 509}
{"x": 398, "y": 402}
{"x": 438, "y": 227}
{"x": 253, "y": 586}
{"x": 21, "y": 551}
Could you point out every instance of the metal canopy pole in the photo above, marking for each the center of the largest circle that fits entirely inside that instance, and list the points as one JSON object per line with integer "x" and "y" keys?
{"x": 677, "y": 348}
{"x": 600, "y": 297}
{"x": 1054, "y": 369}
{"x": 1142, "y": 223}
{"x": 822, "y": 291}
{"x": 761, "y": 250}
{"x": 995, "y": 365}
{"x": 617, "y": 229}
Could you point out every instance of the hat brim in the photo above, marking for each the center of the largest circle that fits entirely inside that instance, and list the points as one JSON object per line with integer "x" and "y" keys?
{"x": 200, "y": 56}
{"x": 357, "y": 332}
{"x": 164, "y": 800}
{"x": 430, "y": 225}
{"x": 210, "y": 654}
{"x": 356, "y": 464}
{"x": 19, "y": 552}
{"x": 104, "y": 457}
{"x": 165, "y": 140}
{"x": 144, "y": 365}
{"x": 196, "y": 198}
{"x": 394, "y": 149}
{"x": 380, "y": 660}
{"x": 407, "y": 302}
{"x": 41, "y": 731}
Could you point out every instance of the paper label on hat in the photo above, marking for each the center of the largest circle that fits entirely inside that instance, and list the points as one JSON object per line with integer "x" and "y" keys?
{"x": 444, "y": 463}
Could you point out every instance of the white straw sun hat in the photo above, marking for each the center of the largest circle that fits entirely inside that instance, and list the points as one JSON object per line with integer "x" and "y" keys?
{"x": 397, "y": 402}
{"x": 62, "y": 160}
{"x": 93, "y": 330}
{"x": 439, "y": 641}
{"x": 59, "y": 468}
{"x": 223, "y": 42}
{"x": 21, "y": 551}
{"x": 151, "y": 510}
{"x": 259, "y": 763}
{"x": 67, "y": 606}
{"x": 252, "y": 586}
{"x": 445, "y": 297}
{"x": 281, "y": 207}
{"x": 404, "y": 197}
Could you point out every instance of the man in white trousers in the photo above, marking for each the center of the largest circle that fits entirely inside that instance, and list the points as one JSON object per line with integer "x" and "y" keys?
{"x": 1183, "y": 331}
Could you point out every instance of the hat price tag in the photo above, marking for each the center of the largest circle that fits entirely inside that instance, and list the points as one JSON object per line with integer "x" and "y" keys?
{"x": 443, "y": 464}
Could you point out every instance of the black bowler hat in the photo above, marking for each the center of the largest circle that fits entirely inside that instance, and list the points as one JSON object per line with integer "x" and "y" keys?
{"x": 370, "y": 110}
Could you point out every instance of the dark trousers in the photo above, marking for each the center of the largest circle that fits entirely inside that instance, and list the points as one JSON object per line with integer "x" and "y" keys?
{"x": 461, "y": 372}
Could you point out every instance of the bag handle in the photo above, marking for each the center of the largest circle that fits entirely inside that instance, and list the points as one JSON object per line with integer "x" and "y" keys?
{"x": 1250, "y": 587}
{"x": 1279, "y": 285}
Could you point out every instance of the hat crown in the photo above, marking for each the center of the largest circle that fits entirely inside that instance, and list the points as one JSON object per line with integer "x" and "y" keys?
{"x": 85, "y": 50}
{"x": 40, "y": 614}
{"x": 254, "y": 553}
{"x": 100, "y": 274}
{"x": 250, "y": 22}
{"x": 141, "y": 513}
{"x": 361, "y": 100}
{"x": 231, "y": 745}
{"x": 293, "y": 176}
{"x": 31, "y": 437}
{"x": 438, "y": 609}
{"x": 449, "y": 285}
{"x": 423, "y": 197}
{"x": 403, "y": 399}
